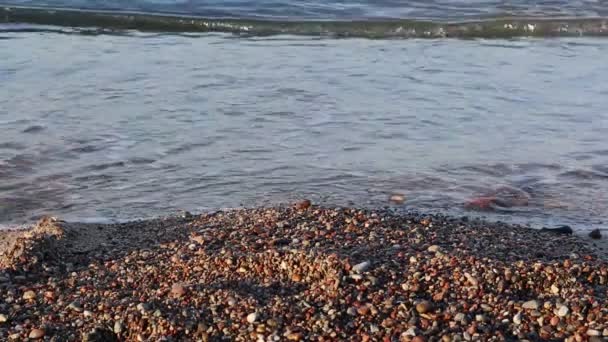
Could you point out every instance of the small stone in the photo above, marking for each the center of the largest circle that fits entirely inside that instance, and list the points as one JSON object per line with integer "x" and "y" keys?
{"x": 252, "y": 317}
{"x": 361, "y": 267}
{"x": 351, "y": 311}
{"x": 605, "y": 332}
{"x": 419, "y": 339}
{"x": 410, "y": 332}
{"x": 3, "y": 318}
{"x": 231, "y": 301}
{"x": 36, "y": 334}
{"x": 595, "y": 234}
{"x": 117, "y": 327}
{"x": 517, "y": 318}
{"x": 480, "y": 318}
{"x": 554, "y": 289}
{"x": 459, "y": 317}
{"x": 293, "y": 336}
{"x": 424, "y": 306}
{"x": 87, "y": 313}
{"x": 530, "y": 305}
{"x": 433, "y": 248}
{"x": 27, "y": 295}
{"x": 178, "y": 290}
{"x": 554, "y": 321}
{"x": 593, "y": 332}
{"x": 303, "y": 205}
{"x": 563, "y": 311}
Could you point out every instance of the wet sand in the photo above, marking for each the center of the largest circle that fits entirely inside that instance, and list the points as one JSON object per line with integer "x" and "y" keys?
{"x": 300, "y": 273}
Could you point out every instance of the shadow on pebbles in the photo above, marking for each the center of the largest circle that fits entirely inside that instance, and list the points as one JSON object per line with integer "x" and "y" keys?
{"x": 299, "y": 273}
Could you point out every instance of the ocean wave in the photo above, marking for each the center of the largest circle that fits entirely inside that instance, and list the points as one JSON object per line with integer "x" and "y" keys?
{"x": 111, "y": 22}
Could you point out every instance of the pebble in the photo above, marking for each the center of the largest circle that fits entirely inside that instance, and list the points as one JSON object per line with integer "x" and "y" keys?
{"x": 554, "y": 289}
{"x": 3, "y": 318}
{"x": 433, "y": 248}
{"x": 424, "y": 306}
{"x": 252, "y": 317}
{"x": 36, "y": 333}
{"x": 554, "y": 321}
{"x": 117, "y": 327}
{"x": 459, "y": 317}
{"x": 563, "y": 311}
{"x": 27, "y": 295}
{"x": 178, "y": 290}
{"x": 593, "y": 332}
{"x": 303, "y": 205}
{"x": 361, "y": 267}
{"x": 517, "y": 318}
{"x": 530, "y": 305}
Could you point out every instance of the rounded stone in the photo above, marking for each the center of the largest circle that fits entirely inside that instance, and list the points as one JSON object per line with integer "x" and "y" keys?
{"x": 178, "y": 290}
{"x": 424, "y": 306}
{"x": 36, "y": 334}
{"x": 252, "y": 317}
{"x": 27, "y": 295}
{"x": 517, "y": 318}
{"x": 563, "y": 311}
{"x": 531, "y": 305}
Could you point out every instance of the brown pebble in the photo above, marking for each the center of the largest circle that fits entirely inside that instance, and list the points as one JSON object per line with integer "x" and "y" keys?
{"x": 36, "y": 333}
{"x": 419, "y": 339}
{"x": 178, "y": 290}
{"x": 424, "y": 306}
{"x": 294, "y": 336}
{"x": 303, "y": 205}
{"x": 554, "y": 321}
{"x": 595, "y": 234}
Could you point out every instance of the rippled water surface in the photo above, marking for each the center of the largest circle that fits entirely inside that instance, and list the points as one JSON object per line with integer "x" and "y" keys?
{"x": 119, "y": 127}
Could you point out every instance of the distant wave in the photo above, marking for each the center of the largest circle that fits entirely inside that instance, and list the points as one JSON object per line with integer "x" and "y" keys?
{"x": 111, "y": 22}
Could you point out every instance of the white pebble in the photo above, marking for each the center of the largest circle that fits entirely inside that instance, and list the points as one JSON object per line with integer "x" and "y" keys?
{"x": 252, "y": 317}
{"x": 517, "y": 318}
{"x": 563, "y": 311}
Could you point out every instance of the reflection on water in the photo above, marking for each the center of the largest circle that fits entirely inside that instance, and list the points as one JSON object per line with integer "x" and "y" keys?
{"x": 120, "y": 127}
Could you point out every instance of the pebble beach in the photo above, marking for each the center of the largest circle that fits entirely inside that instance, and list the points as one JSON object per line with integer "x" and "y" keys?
{"x": 300, "y": 273}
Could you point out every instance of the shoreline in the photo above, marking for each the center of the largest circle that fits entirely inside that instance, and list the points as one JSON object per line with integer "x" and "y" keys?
{"x": 301, "y": 273}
